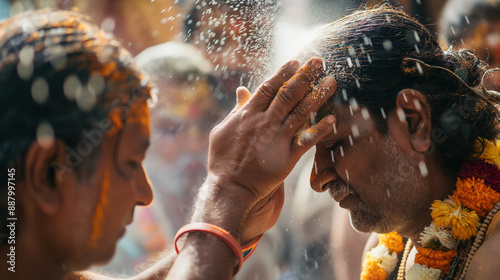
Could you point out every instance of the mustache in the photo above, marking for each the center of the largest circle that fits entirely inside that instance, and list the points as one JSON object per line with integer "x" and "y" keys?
{"x": 338, "y": 188}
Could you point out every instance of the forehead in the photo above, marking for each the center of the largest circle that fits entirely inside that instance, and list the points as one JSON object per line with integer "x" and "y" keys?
{"x": 352, "y": 119}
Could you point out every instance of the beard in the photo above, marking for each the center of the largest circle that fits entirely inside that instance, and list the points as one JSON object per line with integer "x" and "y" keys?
{"x": 405, "y": 196}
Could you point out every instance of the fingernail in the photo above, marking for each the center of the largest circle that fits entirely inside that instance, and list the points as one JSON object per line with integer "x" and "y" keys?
{"x": 317, "y": 63}
{"x": 295, "y": 64}
{"x": 330, "y": 119}
{"x": 328, "y": 82}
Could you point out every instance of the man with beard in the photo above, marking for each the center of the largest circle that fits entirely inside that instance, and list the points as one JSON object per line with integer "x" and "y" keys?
{"x": 414, "y": 150}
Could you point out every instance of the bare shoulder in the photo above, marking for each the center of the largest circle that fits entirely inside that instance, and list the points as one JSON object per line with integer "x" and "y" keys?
{"x": 485, "y": 263}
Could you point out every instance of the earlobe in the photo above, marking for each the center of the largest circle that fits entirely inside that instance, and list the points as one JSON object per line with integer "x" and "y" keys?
{"x": 40, "y": 178}
{"x": 417, "y": 114}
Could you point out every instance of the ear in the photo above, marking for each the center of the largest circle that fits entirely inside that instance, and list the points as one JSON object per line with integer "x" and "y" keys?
{"x": 41, "y": 183}
{"x": 413, "y": 109}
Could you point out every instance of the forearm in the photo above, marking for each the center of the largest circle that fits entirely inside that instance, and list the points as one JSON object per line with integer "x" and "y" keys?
{"x": 203, "y": 255}
{"x": 158, "y": 271}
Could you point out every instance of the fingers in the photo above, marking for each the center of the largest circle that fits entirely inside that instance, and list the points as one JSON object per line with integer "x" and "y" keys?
{"x": 242, "y": 97}
{"x": 268, "y": 90}
{"x": 311, "y": 136}
{"x": 296, "y": 88}
{"x": 310, "y": 104}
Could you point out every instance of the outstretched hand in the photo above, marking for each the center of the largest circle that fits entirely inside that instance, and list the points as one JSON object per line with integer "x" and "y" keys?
{"x": 261, "y": 140}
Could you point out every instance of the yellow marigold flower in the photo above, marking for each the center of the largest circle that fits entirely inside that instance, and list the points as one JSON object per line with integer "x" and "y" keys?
{"x": 393, "y": 241}
{"x": 491, "y": 152}
{"x": 372, "y": 270}
{"x": 449, "y": 213}
{"x": 475, "y": 195}
{"x": 435, "y": 259}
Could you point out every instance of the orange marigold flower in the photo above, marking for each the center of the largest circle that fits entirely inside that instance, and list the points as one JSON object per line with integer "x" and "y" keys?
{"x": 371, "y": 269}
{"x": 435, "y": 259}
{"x": 393, "y": 241}
{"x": 490, "y": 154}
{"x": 449, "y": 213}
{"x": 475, "y": 195}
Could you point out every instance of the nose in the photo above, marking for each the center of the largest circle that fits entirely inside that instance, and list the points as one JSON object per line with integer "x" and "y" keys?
{"x": 144, "y": 192}
{"x": 323, "y": 170}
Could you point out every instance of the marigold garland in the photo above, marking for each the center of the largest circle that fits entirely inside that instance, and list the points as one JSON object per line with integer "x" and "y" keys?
{"x": 382, "y": 259}
{"x": 393, "y": 241}
{"x": 475, "y": 195}
{"x": 372, "y": 270}
{"x": 455, "y": 218}
{"x": 480, "y": 169}
{"x": 450, "y": 213}
{"x": 435, "y": 259}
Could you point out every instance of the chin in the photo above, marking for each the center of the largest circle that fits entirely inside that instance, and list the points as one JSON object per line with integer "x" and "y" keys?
{"x": 366, "y": 223}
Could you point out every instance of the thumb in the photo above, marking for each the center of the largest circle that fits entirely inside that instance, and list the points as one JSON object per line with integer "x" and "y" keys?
{"x": 242, "y": 96}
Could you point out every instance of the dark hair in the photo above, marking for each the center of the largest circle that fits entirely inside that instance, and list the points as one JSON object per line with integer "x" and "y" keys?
{"x": 460, "y": 16}
{"x": 60, "y": 76}
{"x": 374, "y": 54}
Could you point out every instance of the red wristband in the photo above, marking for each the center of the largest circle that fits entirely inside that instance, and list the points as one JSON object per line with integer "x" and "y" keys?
{"x": 250, "y": 248}
{"x": 223, "y": 234}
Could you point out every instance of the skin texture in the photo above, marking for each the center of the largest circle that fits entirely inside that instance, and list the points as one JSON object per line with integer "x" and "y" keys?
{"x": 58, "y": 219}
{"x": 383, "y": 187}
{"x": 59, "y": 224}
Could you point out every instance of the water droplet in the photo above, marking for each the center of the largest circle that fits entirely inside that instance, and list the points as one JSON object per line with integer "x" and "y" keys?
{"x": 366, "y": 40}
{"x": 467, "y": 19}
{"x": 388, "y": 192}
{"x": 45, "y": 135}
{"x": 351, "y": 51}
{"x": 452, "y": 29}
{"x": 108, "y": 24}
{"x": 344, "y": 94}
{"x": 341, "y": 149}
{"x": 369, "y": 58}
{"x": 57, "y": 56}
{"x": 419, "y": 68}
{"x": 97, "y": 84}
{"x": 40, "y": 90}
{"x": 86, "y": 99}
{"x": 27, "y": 55}
{"x": 401, "y": 115}
{"x": 347, "y": 174}
{"x": 415, "y": 34}
{"x": 382, "y": 111}
{"x": 349, "y": 62}
{"x": 72, "y": 87}
{"x": 25, "y": 71}
{"x": 355, "y": 131}
{"x": 350, "y": 140}
{"x": 387, "y": 45}
{"x": 315, "y": 168}
{"x": 423, "y": 169}
{"x": 417, "y": 104}
{"x": 365, "y": 113}
{"x": 331, "y": 153}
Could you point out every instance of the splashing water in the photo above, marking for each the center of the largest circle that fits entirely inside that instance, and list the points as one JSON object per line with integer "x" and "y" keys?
{"x": 40, "y": 90}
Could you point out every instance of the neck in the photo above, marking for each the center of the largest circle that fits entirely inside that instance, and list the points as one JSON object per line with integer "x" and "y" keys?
{"x": 440, "y": 185}
{"x": 31, "y": 260}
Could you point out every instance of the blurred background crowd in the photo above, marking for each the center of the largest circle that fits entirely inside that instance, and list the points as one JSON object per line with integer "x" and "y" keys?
{"x": 197, "y": 53}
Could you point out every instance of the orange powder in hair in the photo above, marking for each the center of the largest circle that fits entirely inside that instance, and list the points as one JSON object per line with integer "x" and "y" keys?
{"x": 138, "y": 113}
{"x": 98, "y": 218}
